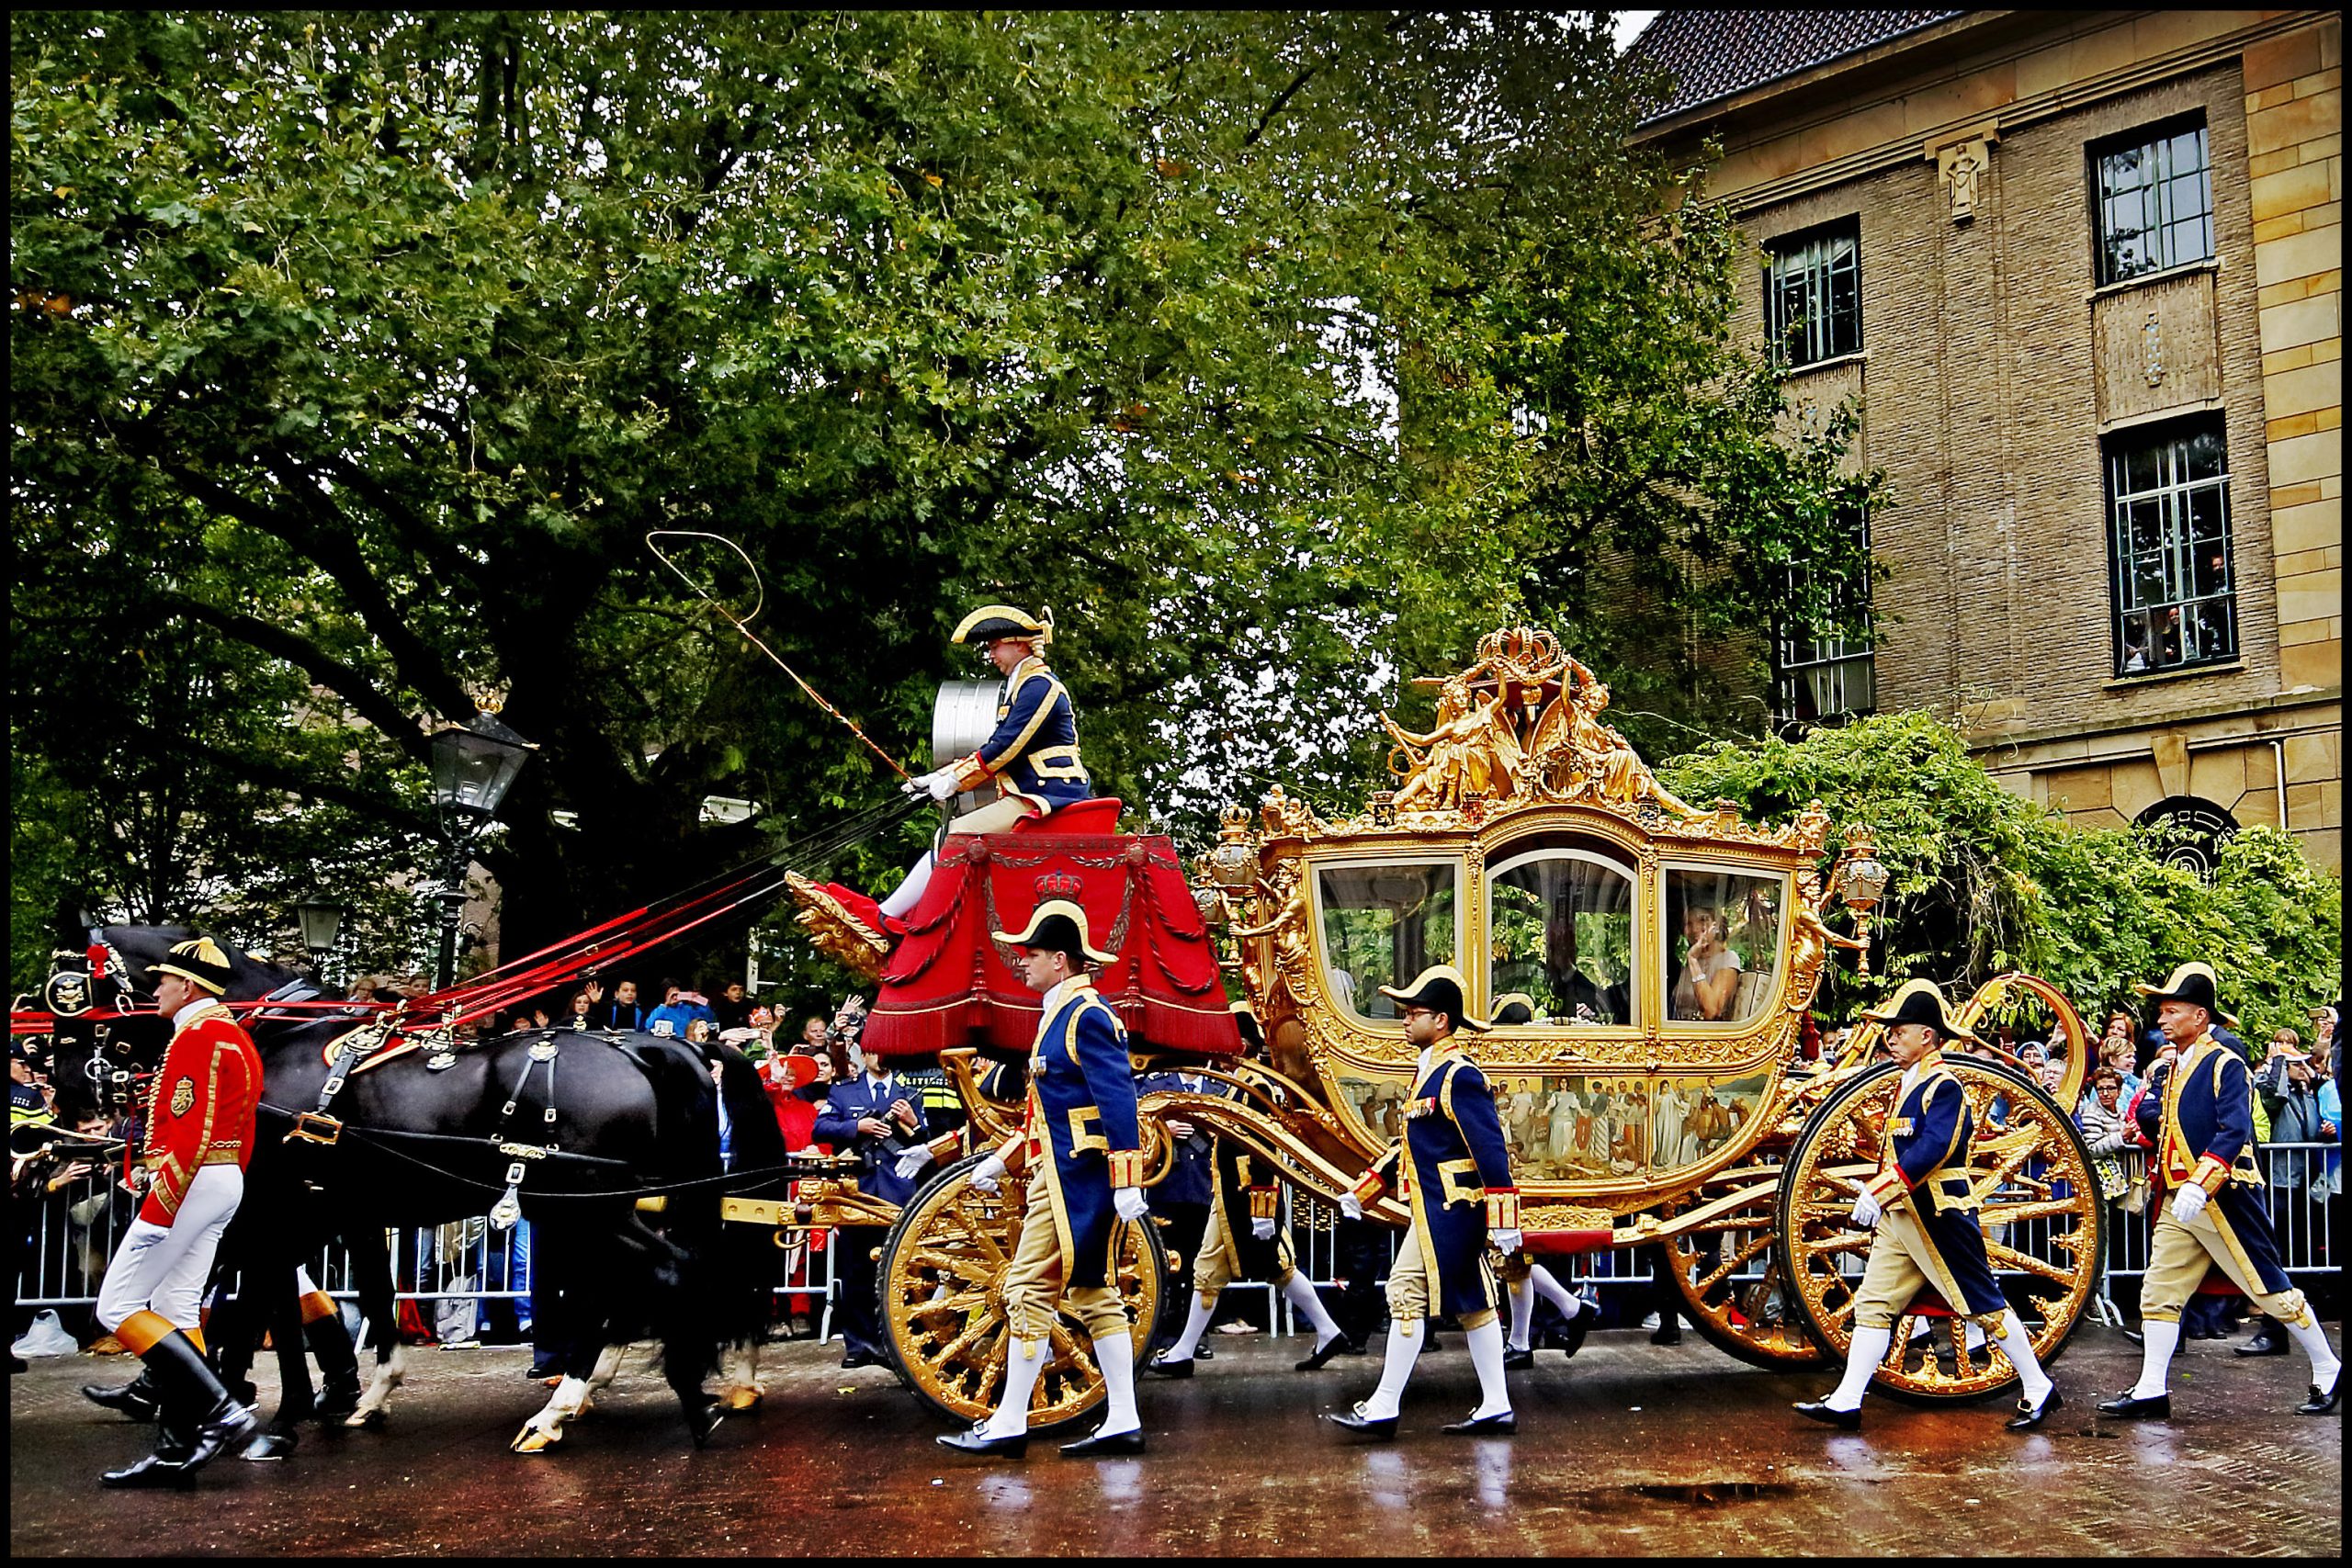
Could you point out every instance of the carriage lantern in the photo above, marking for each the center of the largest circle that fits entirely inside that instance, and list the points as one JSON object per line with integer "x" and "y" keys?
{"x": 1861, "y": 881}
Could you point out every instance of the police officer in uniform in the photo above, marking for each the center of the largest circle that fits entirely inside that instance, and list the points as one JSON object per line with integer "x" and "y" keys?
{"x": 1083, "y": 1144}
{"x": 1921, "y": 1211}
{"x": 200, "y": 1136}
{"x": 1032, "y": 756}
{"x": 878, "y": 1116}
{"x": 2216, "y": 1215}
{"x": 1452, "y": 1170}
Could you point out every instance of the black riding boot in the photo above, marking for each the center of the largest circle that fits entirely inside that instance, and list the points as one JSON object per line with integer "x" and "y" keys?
{"x": 136, "y": 1399}
{"x": 199, "y": 1419}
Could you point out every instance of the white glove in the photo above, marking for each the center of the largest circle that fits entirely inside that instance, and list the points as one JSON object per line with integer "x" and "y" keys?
{"x": 940, "y": 784}
{"x": 1262, "y": 1229}
{"x": 1866, "y": 1211}
{"x": 1510, "y": 1241}
{"x": 913, "y": 1161}
{"x": 1351, "y": 1206}
{"x": 2189, "y": 1202}
{"x": 1130, "y": 1202}
{"x": 988, "y": 1173}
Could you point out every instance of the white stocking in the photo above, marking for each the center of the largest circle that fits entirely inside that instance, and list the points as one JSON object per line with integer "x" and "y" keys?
{"x": 1396, "y": 1366}
{"x": 2314, "y": 1339}
{"x": 1487, "y": 1355}
{"x": 909, "y": 892}
{"x": 1309, "y": 1305}
{"x": 1862, "y": 1358}
{"x": 1025, "y": 1358}
{"x": 1540, "y": 1279}
{"x": 1115, "y": 1354}
{"x": 1196, "y": 1323}
{"x": 2156, "y": 1357}
{"x": 2019, "y": 1347}
{"x": 1523, "y": 1313}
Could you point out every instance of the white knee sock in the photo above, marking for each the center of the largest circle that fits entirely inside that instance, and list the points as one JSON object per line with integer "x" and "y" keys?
{"x": 909, "y": 892}
{"x": 1540, "y": 1279}
{"x": 2033, "y": 1383}
{"x": 1196, "y": 1324}
{"x": 2314, "y": 1339}
{"x": 1024, "y": 1360}
{"x": 2156, "y": 1357}
{"x": 1486, "y": 1356}
{"x": 1523, "y": 1313}
{"x": 1115, "y": 1354}
{"x": 1862, "y": 1358}
{"x": 1396, "y": 1366}
{"x": 1309, "y": 1305}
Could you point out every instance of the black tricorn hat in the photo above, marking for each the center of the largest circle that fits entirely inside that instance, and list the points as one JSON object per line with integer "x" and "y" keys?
{"x": 1439, "y": 989}
{"x": 990, "y": 621}
{"x": 1920, "y": 1001}
{"x": 202, "y": 962}
{"x": 2192, "y": 983}
{"x": 1057, "y": 925}
{"x": 1245, "y": 1019}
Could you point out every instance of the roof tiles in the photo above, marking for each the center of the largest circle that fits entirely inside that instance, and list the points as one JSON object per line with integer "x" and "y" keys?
{"x": 1715, "y": 55}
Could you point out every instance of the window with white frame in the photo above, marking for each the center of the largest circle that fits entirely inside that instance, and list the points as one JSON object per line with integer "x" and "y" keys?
{"x": 2153, "y": 202}
{"x": 1813, "y": 295}
{"x": 1826, "y": 672}
{"x": 2168, "y": 543}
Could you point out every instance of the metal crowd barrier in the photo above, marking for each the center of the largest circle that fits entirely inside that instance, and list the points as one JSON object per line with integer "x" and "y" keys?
{"x": 451, "y": 1270}
{"x": 463, "y": 1265}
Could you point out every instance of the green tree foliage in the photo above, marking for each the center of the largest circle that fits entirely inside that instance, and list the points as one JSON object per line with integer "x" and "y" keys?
{"x": 1985, "y": 881}
{"x": 1280, "y": 354}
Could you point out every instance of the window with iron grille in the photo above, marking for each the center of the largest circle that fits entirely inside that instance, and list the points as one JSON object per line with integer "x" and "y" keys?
{"x": 2168, "y": 546}
{"x": 1813, "y": 296}
{"x": 1821, "y": 677}
{"x": 2153, "y": 201}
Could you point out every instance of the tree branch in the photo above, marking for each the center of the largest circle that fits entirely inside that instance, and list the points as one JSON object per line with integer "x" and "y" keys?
{"x": 243, "y": 765}
{"x": 346, "y": 682}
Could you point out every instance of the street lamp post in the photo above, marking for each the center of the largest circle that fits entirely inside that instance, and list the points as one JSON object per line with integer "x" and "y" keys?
{"x": 474, "y": 763}
{"x": 321, "y": 924}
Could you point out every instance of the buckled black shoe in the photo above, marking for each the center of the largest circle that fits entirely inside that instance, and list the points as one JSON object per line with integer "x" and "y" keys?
{"x": 976, "y": 1441}
{"x": 1579, "y": 1326}
{"x": 1502, "y": 1424}
{"x": 1514, "y": 1359}
{"x": 2320, "y": 1403}
{"x": 2263, "y": 1344}
{"x": 2029, "y": 1415}
{"x": 1101, "y": 1447}
{"x": 1161, "y": 1366}
{"x": 2157, "y": 1406}
{"x": 1205, "y": 1353}
{"x": 1355, "y": 1420}
{"x": 1820, "y": 1410}
{"x": 136, "y": 1399}
{"x": 1321, "y": 1355}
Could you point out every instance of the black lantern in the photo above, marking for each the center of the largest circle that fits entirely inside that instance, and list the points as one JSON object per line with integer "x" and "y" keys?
{"x": 321, "y": 923}
{"x": 474, "y": 764}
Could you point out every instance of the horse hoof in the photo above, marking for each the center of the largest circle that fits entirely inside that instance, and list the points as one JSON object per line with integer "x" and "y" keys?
{"x": 365, "y": 1420}
{"x": 537, "y": 1439}
{"x": 741, "y": 1399}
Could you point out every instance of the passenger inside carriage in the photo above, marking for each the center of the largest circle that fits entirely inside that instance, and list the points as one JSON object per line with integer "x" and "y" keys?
{"x": 1724, "y": 954}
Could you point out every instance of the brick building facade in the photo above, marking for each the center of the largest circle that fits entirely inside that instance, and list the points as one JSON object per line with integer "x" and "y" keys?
{"x": 2084, "y": 270}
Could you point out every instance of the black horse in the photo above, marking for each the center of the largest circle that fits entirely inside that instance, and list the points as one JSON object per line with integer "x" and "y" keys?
{"x": 430, "y": 1136}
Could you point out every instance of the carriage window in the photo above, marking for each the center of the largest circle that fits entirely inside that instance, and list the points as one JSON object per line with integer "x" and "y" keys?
{"x": 1383, "y": 925}
{"x": 1561, "y": 929}
{"x": 1722, "y": 944}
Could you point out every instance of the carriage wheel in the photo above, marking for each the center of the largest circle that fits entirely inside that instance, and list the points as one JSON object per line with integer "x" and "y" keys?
{"x": 943, "y": 1309}
{"x": 2040, "y": 1209}
{"x": 1711, "y": 1267}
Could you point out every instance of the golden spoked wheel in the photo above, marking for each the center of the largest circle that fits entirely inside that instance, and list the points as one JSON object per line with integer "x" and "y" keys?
{"x": 943, "y": 1309}
{"x": 1714, "y": 1268}
{"x": 2040, "y": 1210}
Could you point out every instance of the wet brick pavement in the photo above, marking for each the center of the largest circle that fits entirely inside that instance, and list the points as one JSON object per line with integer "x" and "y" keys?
{"x": 1632, "y": 1449}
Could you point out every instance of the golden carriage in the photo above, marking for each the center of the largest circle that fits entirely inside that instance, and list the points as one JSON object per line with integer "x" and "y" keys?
{"x": 1659, "y": 1094}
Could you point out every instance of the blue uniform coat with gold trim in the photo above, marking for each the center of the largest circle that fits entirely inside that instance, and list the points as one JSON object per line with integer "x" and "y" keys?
{"x": 2202, "y": 1125}
{"x": 1033, "y": 753}
{"x": 1455, "y": 1176}
{"x": 1925, "y": 1164}
{"x": 1082, "y": 1107}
